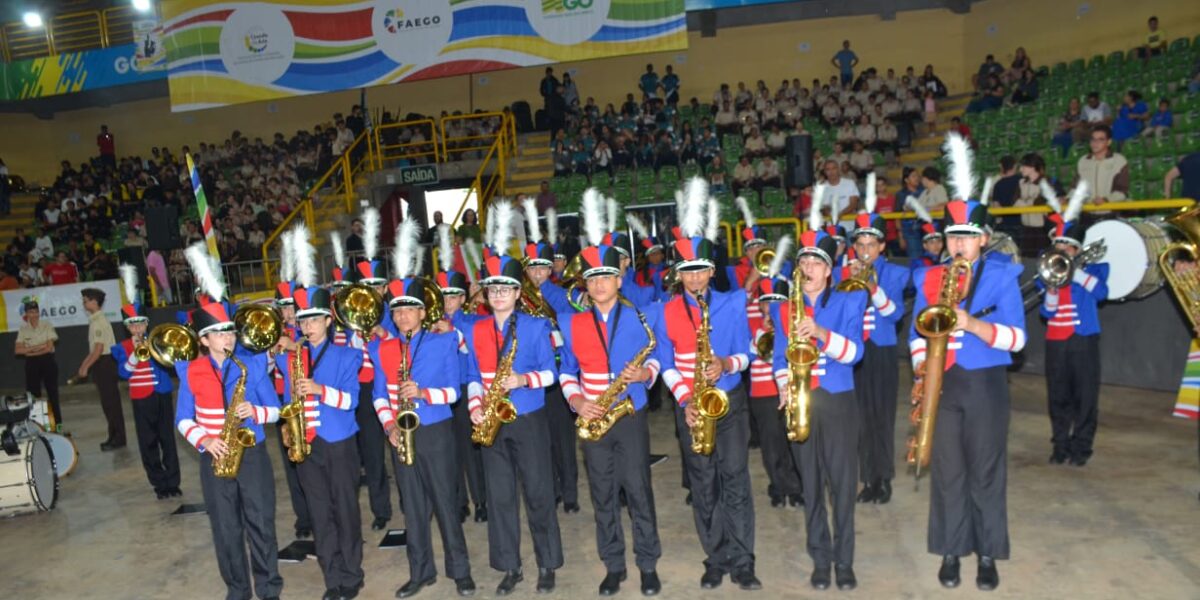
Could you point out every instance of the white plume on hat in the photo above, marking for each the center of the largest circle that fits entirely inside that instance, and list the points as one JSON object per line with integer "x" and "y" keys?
{"x": 306, "y": 256}
{"x": 1050, "y": 195}
{"x": 371, "y": 224}
{"x": 471, "y": 259}
{"x": 1075, "y": 205}
{"x": 593, "y": 221}
{"x": 871, "y": 198}
{"x": 712, "y": 226}
{"x": 403, "y": 255}
{"x": 962, "y": 177}
{"x": 208, "y": 279}
{"x": 782, "y": 247}
{"x": 814, "y": 207}
{"x": 695, "y": 199}
{"x": 917, "y": 207}
{"x": 129, "y": 282}
{"x": 287, "y": 258}
{"x": 637, "y": 225}
{"x": 985, "y": 196}
{"x": 551, "y": 226}
{"x": 613, "y": 213}
{"x": 743, "y": 206}
{"x": 339, "y": 250}
{"x": 502, "y": 234}
{"x": 531, "y": 219}
{"x": 445, "y": 247}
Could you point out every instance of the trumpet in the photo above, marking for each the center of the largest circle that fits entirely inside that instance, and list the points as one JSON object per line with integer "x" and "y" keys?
{"x": 863, "y": 281}
{"x": 762, "y": 261}
{"x": 1056, "y": 268}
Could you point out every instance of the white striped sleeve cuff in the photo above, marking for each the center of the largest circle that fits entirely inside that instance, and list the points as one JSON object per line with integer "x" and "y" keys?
{"x": 677, "y": 385}
{"x": 446, "y": 395}
{"x": 570, "y": 386}
{"x": 131, "y": 363}
{"x": 335, "y": 398}
{"x": 739, "y": 362}
{"x": 192, "y": 432}
{"x": 1007, "y": 338}
{"x": 474, "y": 395}
{"x": 462, "y": 342}
{"x": 882, "y": 303}
{"x": 265, "y": 414}
{"x": 383, "y": 410}
{"x": 539, "y": 379}
{"x": 840, "y": 348}
{"x": 781, "y": 379}
{"x": 655, "y": 368}
{"x": 916, "y": 349}
{"x": 556, "y": 338}
{"x": 1051, "y": 301}
{"x": 1085, "y": 280}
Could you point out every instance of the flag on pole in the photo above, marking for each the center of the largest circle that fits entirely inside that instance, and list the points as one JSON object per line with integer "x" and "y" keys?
{"x": 210, "y": 236}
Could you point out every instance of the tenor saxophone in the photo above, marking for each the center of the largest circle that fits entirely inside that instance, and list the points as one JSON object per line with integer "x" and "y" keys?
{"x": 592, "y": 430}
{"x": 498, "y": 409}
{"x": 711, "y": 401}
{"x": 935, "y": 323}
{"x": 295, "y": 426}
{"x": 236, "y": 437}
{"x": 407, "y": 419}
{"x": 801, "y": 355}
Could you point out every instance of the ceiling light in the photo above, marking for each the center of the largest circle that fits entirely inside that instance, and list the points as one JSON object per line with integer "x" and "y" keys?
{"x": 32, "y": 20}
{"x": 141, "y": 5}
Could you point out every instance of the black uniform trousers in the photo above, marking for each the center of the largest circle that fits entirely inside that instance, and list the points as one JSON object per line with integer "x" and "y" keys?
{"x": 561, "y": 421}
{"x": 684, "y": 442}
{"x": 295, "y": 492}
{"x": 330, "y": 478}
{"x": 519, "y": 453}
{"x": 828, "y": 460}
{"x": 104, "y": 374}
{"x": 42, "y": 371}
{"x": 430, "y": 493}
{"x": 242, "y": 510}
{"x": 722, "y": 503}
{"x": 783, "y": 478}
{"x": 968, "y": 470}
{"x": 1073, "y": 392}
{"x": 621, "y": 461}
{"x": 371, "y": 442}
{"x": 154, "y": 423}
{"x": 876, "y": 382}
{"x": 470, "y": 457}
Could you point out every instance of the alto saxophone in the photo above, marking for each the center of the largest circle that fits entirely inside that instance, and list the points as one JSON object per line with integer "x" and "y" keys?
{"x": 236, "y": 437}
{"x": 934, "y": 323}
{"x": 711, "y": 401}
{"x": 498, "y": 409}
{"x": 801, "y": 355}
{"x": 407, "y": 419}
{"x": 593, "y": 429}
{"x": 295, "y": 426}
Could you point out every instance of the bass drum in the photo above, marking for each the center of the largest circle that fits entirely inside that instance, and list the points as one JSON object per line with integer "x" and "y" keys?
{"x": 1131, "y": 251}
{"x": 66, "y": 456}
{"x": 28, "y": 482}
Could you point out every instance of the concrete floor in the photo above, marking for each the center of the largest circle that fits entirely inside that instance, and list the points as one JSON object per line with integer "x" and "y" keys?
{"x": 1122, "y": 527}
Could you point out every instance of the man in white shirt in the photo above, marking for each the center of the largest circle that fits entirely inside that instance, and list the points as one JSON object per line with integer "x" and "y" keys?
{"x": 1097, "y": 112}
{"x": 839, "y": 192}
{"x": 768, "y": 173}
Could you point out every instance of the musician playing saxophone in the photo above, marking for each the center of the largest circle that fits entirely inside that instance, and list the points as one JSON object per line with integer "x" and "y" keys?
{"x": 832, "y": 321}
{"x": 968, "y": 467}
{"x": 429, "y": 484}
{"x": 522, "y": 446}
{"x": 599, "y": 349}
{"x": 241, "y": 511}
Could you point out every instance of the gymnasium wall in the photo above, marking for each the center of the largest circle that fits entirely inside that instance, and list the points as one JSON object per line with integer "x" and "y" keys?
{"x": 955, "y": 43}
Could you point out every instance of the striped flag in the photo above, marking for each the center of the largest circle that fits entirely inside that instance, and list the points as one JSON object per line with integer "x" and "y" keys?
{"x": 206, "y": 222}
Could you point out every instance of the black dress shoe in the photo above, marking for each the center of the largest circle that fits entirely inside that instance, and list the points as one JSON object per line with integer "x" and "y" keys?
{"x": 175, "y": 492}
{"x": 545, "y": 583}
{"x": 711, "y": 579}
{"x": 465, "y": 586}
{"x": 885, "y": 492}
{"x": 378, "y": 524}
{"x": 820, "y": 578}
{"x": 160, "y": 494}
{"x": 1079, "y": 461}
{"x": 612, "y": 583}
{"x": 651, "y": 586}
{"x": 481, "y": 513}
{"x": 656, "y": 459}
{"x": 795, "y": 500}
{"x": 332, "y": 594}
{"x": 845, "y": 578}
{"x": 463, "y": 513}
{"x": 688, "y": 500}
{"x": 987, "y": 578}
{"x": 570, "y": 507}
{"x": 948, "y": 574}
{"x": 1058, "y": 458}
{"x": 745, "y": 579}
{"x": 106, "y": 446}
{"x": 868, "y": 493}
{"x": 510, "y": 581}
{"x": 413, "y": 586}
{"x": 349, "y": 592}
{"x": 303, "y": 533}
{"x": 777, "y": 501}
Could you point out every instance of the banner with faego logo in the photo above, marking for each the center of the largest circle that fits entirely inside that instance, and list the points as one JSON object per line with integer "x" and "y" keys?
{"x": 59, "y": 305}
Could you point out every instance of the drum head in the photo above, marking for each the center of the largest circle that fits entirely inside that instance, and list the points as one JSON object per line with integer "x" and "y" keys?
{"x": 43, "y": 480}
{"x": 1125, "y": 253}
{"x": 65, "y": 454}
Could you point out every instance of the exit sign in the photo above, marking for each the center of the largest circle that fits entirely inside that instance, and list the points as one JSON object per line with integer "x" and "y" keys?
{"x": 419, "y": 175}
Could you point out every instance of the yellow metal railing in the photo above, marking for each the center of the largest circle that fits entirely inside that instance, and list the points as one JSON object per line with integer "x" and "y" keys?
{"x": 69, "y": 32}
{"x": 428, "y": 148}
{"x": 485, "y": 186}
{"x": 792, "y": 222}
{"x": 461, "y": 144}
{"x": 1001, "y": 211}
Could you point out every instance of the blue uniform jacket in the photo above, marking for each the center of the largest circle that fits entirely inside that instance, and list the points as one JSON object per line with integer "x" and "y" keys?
{"x": 676, "y": 335}
{"x": 162, "y": 380}
{"x": 841, "y": 315}
{"x": 1077, "y": 311}
{"x": 259, "y": 393}
{"x": 332, "y": 413}
{"x": 434, "y": 366}
{"x": 534, "y": 360}
{"x": 885, "y": 308}
{"x": 583, "y": 351}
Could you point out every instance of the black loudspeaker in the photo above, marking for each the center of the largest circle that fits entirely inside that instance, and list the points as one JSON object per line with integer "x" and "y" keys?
{"x": 162, "y": 228}
{"x": 799, "y": 151}
{"x": 708, "y": 23}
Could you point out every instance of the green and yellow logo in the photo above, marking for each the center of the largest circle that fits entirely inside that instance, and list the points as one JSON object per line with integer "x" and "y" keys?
{"x": 562, "y": 6}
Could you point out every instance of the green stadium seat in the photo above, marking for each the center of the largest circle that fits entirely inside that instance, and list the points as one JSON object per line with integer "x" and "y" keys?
{"x": 646, "y": 193}
{"x": 1160, "y": 146}
{"x": 645, "y": 176}
{"x": 1137, "y": 190}
{"x": 691, "y": 170}
{"x": 578, "y": 182}
{"x": 669, "y": 176}
{"x": 1178, "y": 45}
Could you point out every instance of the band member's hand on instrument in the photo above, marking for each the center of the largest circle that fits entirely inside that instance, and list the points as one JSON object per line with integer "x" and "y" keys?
{"x": 477, "y": 416}
{"x": 690, "y": 414}
{"x": 1182, "y": 266}
{"x": 716, "y": 368}
{"x": 634, "y": 374}
{"x": 308, "y": 387}
{"x": 783, "y": 399}
{"x": 393, "y": 433}
{"x": 244, "y": 411}
{"x": 856, "y": 267}
{"x": 752, "y": 280}
{"x": 214, "y": 446}
{"x": 809, "y": 329}
{"x": 586, "y": 408}
{"x": 513, "y": 382}
{"x": 379, "y": 332}
{"x": 285, "y": 344}
{"x": 408, "y": 390}
{"x": 768, "y": 326}
{"x": 442, "y": 326}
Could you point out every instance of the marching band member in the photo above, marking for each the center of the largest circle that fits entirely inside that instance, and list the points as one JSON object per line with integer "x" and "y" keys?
{"x": 287, "y": 310}
{"x": 968, "y": 471}
{"x": 328, "y": 383}
{"x": 833, "y": 322}
{"x": 454, "y": 295}
{"x": 784, "y": 479}
{"x": 722, "y": 503}
{"x": 649, "y": 275}
{"x": 744, "y": 275}
{"x": 932, "y": 242}
{"x": 519, "y": 452}
{"x": 876, "y": 380}
{"x": 600, "y": 347}
{"x": 422, "y": 367}
{"x": 539, "y": 258}
{"x": 150, "y": 390}
{"x": 241, "y": 510}
{"x": 639, "y": 295}
{"x": 1073, "y": 340}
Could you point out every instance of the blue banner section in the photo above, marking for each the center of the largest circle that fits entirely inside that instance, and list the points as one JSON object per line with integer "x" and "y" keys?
{"x": 691, "y": 5}
{"x": 79, "y": 71}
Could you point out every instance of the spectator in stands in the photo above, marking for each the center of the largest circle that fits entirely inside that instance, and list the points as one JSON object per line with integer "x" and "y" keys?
{"x": 107, "y": 146}
{"x": 839, "y": 156}
{"x": 934, "y": 196}
{"x": 1162, "y": 121}
{"x": 43, "y": 246}
{"x": 989, "y": 68}
{"x": 1026, "y": 90}
{"x": 744, "y": 175}
{"x": 602, "y": 158}
{"x": 840, "y": 191}
{"x": 912, "y": 107}
{"x": 931, "y": 82}
{"x": 1105, "y": 171}
{"x": 1020, "y": 64}
{"x": 354, "y": 241}
{"x": 670, "y": 85}
{"x": 931, "y": 113}
{"x": 726, "y": 119}
{"x": 22, "y": 241}
{"x": 8, "y": 279}
{"x": 556, "y": 111}
{"x": 844, "y": 61}
{"x": 831, "y": 113}
{"x": 991, "y": 98}
{"x": 648, "y": 83}
{"x": 910, "y": 187}
{"x": 1188, "y": 168}
{"x": 622, "y": 154}
{"x": 885, "y": 202}
{"x": 864, "y": 133}
{"x": 845, "y": 133}
{"x": 1156, "y": 41}
{"x": 1130, "y": 118}
{"x": 546, "y": 199}
{"x": 861, "y": 160}
{"x": 570, "y": 93}
{"x": 342, "y": 139}
{"x": 776, "y": 140}
{"x": 1005, "y": 193}
{"x": 61, "y": 271}
{"x": 768, "y": 174}
{"x": 1096, "y": 112}
{"x": 548, "y": 87}
{"x": 1029, "y": 193}
{"x": 562, "y": 159}
{"x": 31, "y": 274}
{"x": 717, "y": 175}
{"x": 1071, "y": 128}
{"x": 469, "y": 228}
{"x": 754, "y": 145}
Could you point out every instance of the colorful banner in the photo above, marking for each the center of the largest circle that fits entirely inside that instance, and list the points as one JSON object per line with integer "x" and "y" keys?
{"x": 76, "y": 72}
{"x": 221, "y": 53}
{"x": 206, "y": 221}
{"x": 711, "y": 4}
{"x": 61, "y": 305}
